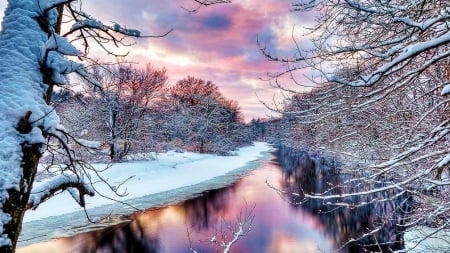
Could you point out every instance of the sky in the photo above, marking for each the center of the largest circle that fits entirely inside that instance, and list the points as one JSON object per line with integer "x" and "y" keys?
{"x": 217, "y": 43}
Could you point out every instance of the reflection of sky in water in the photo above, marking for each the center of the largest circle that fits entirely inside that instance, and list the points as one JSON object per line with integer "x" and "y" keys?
{"x": 276, "y": 228}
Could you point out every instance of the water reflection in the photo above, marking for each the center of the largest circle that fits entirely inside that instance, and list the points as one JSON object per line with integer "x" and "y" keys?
{"x": 279, "y": 225}
{"x": 207, "y": 210}
{"x": 306, "y": 173}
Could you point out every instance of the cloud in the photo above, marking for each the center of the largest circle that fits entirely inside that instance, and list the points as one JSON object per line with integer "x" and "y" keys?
{"x": 217, "y": 43}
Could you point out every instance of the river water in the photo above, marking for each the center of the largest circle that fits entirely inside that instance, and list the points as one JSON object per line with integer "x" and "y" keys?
{"x": 272, "y": 222}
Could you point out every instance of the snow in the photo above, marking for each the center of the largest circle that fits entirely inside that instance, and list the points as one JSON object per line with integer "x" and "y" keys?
{"x": 88, "y": 143}
{"x": 93, "y": 23}
{"x": 60, "y": 44}
{"x": 43, "y": 190}
{"x": 429, "y": 242}
{"x": 444, "y": 161}
{"x": 421, "y": 25}
{"x": 411, "y": 51}
{"x": 171, "y": 178}
{"x": 129, "y": 32}
{"x": 89, "y": 23}
{"x": 446, "y": 90}
{"x": 169, "y": 171}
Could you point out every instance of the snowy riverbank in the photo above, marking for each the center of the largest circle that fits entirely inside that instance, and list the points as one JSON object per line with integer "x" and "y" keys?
{"x": 170, "y": 178}
{"x": 429, "y": 239}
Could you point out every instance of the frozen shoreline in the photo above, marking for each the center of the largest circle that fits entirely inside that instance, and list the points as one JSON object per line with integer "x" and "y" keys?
{"x": 171, "y": 178}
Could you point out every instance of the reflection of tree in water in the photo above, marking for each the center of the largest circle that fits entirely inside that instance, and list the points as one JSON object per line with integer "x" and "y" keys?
{"x": 125, "y": 238}
{"x": 209, "y": 215}
{"x": 312, "y": 173}
{"x": 203, "y": 213}
{"x": 206, "y": 210}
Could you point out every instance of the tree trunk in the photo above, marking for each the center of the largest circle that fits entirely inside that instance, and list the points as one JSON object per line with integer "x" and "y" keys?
{"x": 202, "y": 146}
{"x": 113, "y": 149}
{"x": 16, "y": 204}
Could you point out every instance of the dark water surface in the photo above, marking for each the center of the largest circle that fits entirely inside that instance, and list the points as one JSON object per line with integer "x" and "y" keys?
{"x": 273, "y": 222}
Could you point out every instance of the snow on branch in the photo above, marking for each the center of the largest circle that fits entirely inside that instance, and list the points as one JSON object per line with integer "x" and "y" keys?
{"x": 86, "y": 22}
{"x": 237, "y": 234}
{"x": 243, "y": 227}
{"x": 437, "y": 134}
{"x": 47, "y": 5}
{"x": 46, "y": 189}
{"x": 129, "y": 32}
{"x": 60, "y": 44}
{"x": 421, "y": 25}
{"x": 444, "y": 161}
{"x": 407, "y": 53}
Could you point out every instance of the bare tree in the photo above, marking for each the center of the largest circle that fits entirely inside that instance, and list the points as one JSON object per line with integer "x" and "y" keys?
{"x": 203, "y": 117}
{"x": 124, "y": 102}
{"x": 381, "y": 72}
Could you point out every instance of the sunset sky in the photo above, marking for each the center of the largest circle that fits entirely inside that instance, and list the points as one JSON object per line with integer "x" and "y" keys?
{"x": 216, "y": 43}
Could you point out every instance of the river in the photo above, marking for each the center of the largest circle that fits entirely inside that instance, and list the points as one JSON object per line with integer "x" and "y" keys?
{"x": 272, "y": 222}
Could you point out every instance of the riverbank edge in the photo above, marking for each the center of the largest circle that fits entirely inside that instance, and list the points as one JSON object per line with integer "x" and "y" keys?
{"x": 73, "y": 223}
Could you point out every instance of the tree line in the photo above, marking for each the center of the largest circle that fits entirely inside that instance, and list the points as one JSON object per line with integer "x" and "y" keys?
{"x": 137, "y": 111}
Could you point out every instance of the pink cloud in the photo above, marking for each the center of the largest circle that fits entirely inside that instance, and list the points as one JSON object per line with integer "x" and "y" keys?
{"x": 217, "y": 43}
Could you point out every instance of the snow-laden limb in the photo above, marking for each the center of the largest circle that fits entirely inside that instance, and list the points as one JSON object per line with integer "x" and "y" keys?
{"x": 240, "y": 232}
{"x": 444, "y": 161}
{"x": 87, "y": 23}
{"x": 60, "y": 44}
{"x": 437, "y": 134}
{"x": 243, "y": 226}
{"x": 407, "y": 53}
{"x": 46, "y": 189}
{"x": 211, "y": 2}
{"x": 446, "y": 90}
{"x": 130, "y": 32}
{"x": 89, "y": 30}
{"x": 91, "y": 23}
{"x": 61, "y": 67}
{"x": 421, "y": 25}
{"x": 89, "y": 143}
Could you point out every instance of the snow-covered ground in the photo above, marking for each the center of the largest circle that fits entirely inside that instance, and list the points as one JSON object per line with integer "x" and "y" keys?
{"x": 436, "y": 243}
{"x": 170, "y": 178}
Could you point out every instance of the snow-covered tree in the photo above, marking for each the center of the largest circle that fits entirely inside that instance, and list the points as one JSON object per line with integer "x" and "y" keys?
{"x": 203, "y": 118}
{"x": 124, "y": 102}
{"x": 381, "y": 72}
